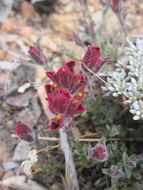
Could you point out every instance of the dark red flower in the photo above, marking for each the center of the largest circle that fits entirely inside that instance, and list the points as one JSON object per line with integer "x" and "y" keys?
{"x": 61, "y": 102}
{"x": 49, "y": 88}
{"x": 57, "y": 122}
{"x": 66, "y": 78}
{"x": 116, "y": 5}
{"x": 65, "y": 95}
{"x": 93, "y": 60}
{"x": 23, "y": 131}
{"x": 37, "y": 55}
{"x": 98, "y": 153}
{"x": 79, "y": 83}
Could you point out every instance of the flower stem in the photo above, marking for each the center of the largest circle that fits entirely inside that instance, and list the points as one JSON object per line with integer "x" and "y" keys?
{"x": 107, "y": 84}
{"x": 123, "y": 25}
{"x": 70, "y": 171}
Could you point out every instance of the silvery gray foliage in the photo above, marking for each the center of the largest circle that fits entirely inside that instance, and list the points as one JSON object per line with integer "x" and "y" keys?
{"x": 127, "y": 79}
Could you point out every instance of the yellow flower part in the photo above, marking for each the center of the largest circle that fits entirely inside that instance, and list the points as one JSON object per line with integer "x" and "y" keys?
{"x": 55, "y": 85}
{"x": 80, "y": 94}
{"x": 58, "y": 116}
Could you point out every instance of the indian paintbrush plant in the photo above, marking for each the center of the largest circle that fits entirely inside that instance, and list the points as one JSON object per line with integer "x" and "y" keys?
{"x": 71, "y": 98}
{"x": 65, "y": 96}
{"x": 65, "y": 99}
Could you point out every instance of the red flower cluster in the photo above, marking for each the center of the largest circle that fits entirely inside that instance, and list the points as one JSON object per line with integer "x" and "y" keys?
{"x": 37, "y": 55}
{"x": 66, "y": 78}
{"x": 65, "y": 95}
{"x": 93, "y": 59}
{"x": 23, "y": 131}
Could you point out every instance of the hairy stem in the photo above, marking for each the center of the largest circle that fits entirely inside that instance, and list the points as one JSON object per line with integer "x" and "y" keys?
{"x": 123, "y": 25}
{"x": 70, "y": 171}
{"x": 107, "y": 84}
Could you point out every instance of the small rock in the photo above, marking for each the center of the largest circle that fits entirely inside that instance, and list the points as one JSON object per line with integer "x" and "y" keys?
{"x": 2, "y": 114}
{"x": 141, "y": 6}
{"x": 27, "y": 116}
{"x": 6, "y": 145}
{"x": 27, "y": 10}
{"x": 65, "y": 8}
{"x": 19, "y": 76}
{"x": 21, "y": 151}
{"x": 2, "y": 54}
{"x": 21, "y": 100}
{"x": 9, "y": 25}
{"x": 8, "y": 38}
{"x": 24, "y": 73}
{"x": 36, "y": 107}
{"x": 27, "y": 32}
{"x": 10, "y": 124}
{"x": 48, "y": 43}
{"x": 63, "y": 24}
{"x": 4, "y": 77}
{"x": 13, "y": 181}
{"x": 7, "y": 175}
{"x": 1, "y": 172}
{"x": 34, "y": 185}
{"x": 56, "y": 186}
{"x": 9, "y": 165}
{"x": 64, "y": 2}
{"x": 21, "y": 182}
{"x": 8, "y": 66}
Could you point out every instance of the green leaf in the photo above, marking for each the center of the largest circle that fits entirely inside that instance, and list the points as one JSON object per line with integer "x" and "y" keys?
{"x": 128, "y": 172}
{"x": 137, "y": 175}
{"x": 125, "y": 157}
{"x": 105, "y": 171}
{"x": 113, "y": 130}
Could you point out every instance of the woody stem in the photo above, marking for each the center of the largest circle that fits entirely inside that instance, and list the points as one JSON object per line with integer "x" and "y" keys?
{"x": 47, "y": 148}
{"x": 70, "y": 171}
